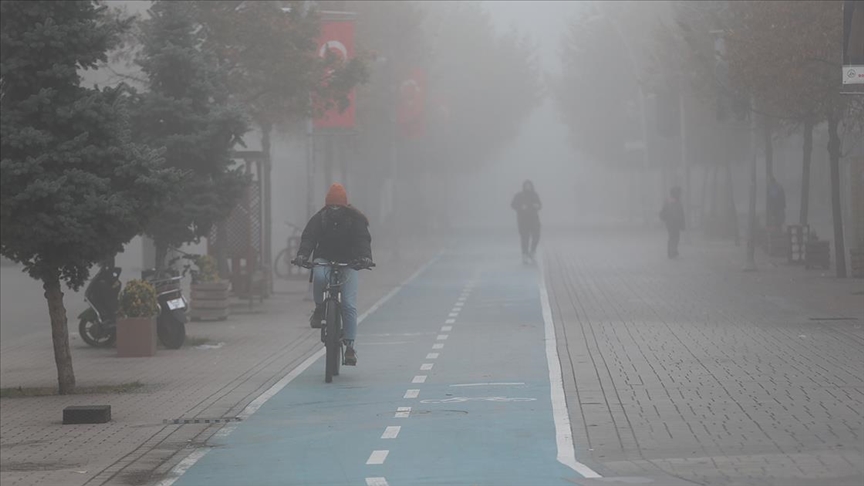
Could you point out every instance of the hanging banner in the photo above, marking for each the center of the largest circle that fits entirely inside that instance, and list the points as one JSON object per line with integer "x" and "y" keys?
{"x": 853, "y": 42}
{"x": 412, "y": 104}
{"x": 337, "y": 39}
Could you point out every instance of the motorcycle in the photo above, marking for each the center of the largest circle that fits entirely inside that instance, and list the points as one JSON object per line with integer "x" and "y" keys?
{"x": 98, "y": 324}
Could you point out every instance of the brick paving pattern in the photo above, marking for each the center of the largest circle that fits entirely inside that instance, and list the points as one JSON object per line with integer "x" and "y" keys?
{"x": 696, "y": 370}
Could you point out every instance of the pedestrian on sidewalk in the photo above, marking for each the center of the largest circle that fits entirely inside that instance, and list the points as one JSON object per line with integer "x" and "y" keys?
{"x": 673, "y": 215}
{"x": 527, "y": 205}
{"x": 337, "y": 233}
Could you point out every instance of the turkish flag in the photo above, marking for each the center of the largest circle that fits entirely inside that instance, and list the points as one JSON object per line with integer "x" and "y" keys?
{"x": 337, "y": 39}
{"x": 412, "y": 104}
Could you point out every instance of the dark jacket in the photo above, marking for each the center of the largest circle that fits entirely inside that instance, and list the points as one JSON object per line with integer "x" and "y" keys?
{"x": 339, "y": 234}
{"x": 673, "y": 215}
{"x": 527, "y": 204}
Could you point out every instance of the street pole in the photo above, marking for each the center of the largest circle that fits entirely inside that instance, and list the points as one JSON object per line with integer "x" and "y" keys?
{"x": 750, "y": 266}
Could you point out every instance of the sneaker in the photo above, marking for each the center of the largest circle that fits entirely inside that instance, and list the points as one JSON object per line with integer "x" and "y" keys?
{"x": 350, "y": 356}
{"x": 317, "y": 318}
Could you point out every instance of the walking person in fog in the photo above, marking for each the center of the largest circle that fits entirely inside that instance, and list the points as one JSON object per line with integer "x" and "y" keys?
{"x": 673, "y": 215}
{"x": 527, "y": 205}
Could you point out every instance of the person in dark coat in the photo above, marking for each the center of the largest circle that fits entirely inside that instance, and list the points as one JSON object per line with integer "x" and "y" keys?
{"x": 776, "y": 204}
{"x": 673, "y": 215}
{"x": 337, "y": 233}
{"x": 527, "y": 205}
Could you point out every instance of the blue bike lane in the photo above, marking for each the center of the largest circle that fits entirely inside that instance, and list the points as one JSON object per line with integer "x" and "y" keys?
{"x": 452, "y": 387}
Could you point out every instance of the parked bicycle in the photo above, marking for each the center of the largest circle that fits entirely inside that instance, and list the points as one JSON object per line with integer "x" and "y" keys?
{"x": 331, "y": 332}
{"x": 282, "y": 264}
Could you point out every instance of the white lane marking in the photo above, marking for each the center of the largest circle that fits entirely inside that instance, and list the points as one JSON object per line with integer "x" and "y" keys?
{"x": 377, "y": 457}
{"x": 450, "y": 321}
{"x": 253, "y": 407}
{"x": 442, "y": 337}
{"x": 432, "y": 356}
{"x": 426, "y": 366}
{"x": 456, "y": 309}
{"x": 459, "y": 304}
{"x": 446, "y": 328}
{"x": 560, "y": 414}
{"x": 462, "y": 299}
{"x": 403, "y": 412}
{"x": 478, "y": 399}
{"x": 412, "y": 394}
{"x": 438, "y": 346}
{"x": 419, "y": 379}
{"x": 453, "y": 314}
{"x": 391, "y": 432}
{"x": 490, "y": 384}
{"x": 376, "y": 482}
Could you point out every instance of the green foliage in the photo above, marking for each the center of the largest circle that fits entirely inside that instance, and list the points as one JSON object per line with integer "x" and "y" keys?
{"x": 270, "y": 59}
{"x": 187, "y": 110}
{"x": 138, "y": 299}
{"x": 205, "y": 269}
{"x": 74, "y": 188}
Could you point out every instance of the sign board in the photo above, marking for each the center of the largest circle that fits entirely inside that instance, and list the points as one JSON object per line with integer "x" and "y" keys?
{"x": 853, "y": 42}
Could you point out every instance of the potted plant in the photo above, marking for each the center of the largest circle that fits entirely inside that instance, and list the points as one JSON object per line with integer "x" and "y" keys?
{"x": 210, "y": 293}
{"x": 136, "y": 323}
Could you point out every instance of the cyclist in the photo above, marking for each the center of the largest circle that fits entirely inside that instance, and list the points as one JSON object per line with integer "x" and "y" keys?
{"x": 337, "y": 233}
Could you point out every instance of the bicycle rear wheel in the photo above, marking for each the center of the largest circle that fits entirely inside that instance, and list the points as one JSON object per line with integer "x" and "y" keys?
{"x": 333, "y": 344}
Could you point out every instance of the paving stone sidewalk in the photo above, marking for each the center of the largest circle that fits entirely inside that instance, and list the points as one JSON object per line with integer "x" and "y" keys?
{"x": 242, "y": 358}
{"x": 697, "y": 371}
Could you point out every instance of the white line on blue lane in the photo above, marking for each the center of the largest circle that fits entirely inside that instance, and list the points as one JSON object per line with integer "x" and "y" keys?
{"x": 560, "y": 414}
{"x": 376, "y": 482}
{"x": 189, "y": 461}
{"x": 412, "y": 394}
{"x": 419, "y": 379}
{"x": 377, "y": 457}
{"x": 438, "y": 346}
{"x": 391, "y": 432}
{"x": 432, "y": 356}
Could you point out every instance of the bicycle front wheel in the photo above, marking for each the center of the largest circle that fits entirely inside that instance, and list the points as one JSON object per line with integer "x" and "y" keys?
{"x": 333, "y": 342}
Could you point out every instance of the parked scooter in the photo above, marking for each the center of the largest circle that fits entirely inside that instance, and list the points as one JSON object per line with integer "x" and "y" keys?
{"x": 98, "y": 324}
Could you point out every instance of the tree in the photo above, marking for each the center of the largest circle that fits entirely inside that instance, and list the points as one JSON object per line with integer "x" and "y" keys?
{"x": 490, "y": 83}
{"x": 73, "y": 187}
{"x": 795, "y": 42}
{"x": 187, "y": 109}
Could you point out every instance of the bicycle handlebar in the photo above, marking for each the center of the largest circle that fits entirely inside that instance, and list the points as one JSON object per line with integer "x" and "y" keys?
{"x": 310, "y": 265}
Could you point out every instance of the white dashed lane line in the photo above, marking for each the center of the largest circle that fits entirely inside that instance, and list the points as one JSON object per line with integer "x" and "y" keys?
{"x": 442, "y": 337}
{"x": 391, "y": 432}
{"x": 438, "y": 346}
{"x": 412, "y": 394}
{"x": 426, "y": 366}
{"x": 432, "y": 356}
{"x": 377, "y": 457}
{"x": 446, "y": 328}
{"x": 419, "y": 379}
{"x": 403, "y": 412}
{"x": 376, "y": 482}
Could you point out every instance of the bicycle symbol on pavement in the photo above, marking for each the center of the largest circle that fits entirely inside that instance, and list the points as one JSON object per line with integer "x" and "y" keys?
{"x": 478, "y": 399}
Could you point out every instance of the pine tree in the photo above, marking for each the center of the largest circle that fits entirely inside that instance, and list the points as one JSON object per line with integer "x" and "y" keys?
{"x": 73, "y": 187}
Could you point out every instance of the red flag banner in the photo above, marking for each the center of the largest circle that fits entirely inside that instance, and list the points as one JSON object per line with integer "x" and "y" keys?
{"x": 337, "y": 38}
{"x": 412, "y": 104}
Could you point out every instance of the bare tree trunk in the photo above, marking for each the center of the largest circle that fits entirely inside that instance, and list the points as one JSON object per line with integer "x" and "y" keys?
{"x": 267, "y": 199}
{"x": 809, "y": 123}
{"x": 732, "y": 211}
{"x": 769, "y": 160}
{"x": 161, "y": 254}
{"x": 836, "y": 208}
{"x": 59, "y": 333}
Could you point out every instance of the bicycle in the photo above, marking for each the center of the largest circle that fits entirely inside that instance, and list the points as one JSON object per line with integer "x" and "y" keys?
{"x": 331, "y": 332}
{"x": 282, "y": 263}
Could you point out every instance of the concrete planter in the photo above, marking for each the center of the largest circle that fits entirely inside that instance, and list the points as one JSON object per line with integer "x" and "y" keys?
{"x": 136, "y": 337}
{"x": 210, "y": 301}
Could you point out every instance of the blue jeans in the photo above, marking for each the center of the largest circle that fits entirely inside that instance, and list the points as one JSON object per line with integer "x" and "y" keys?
{"x": 320, "y": 277}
